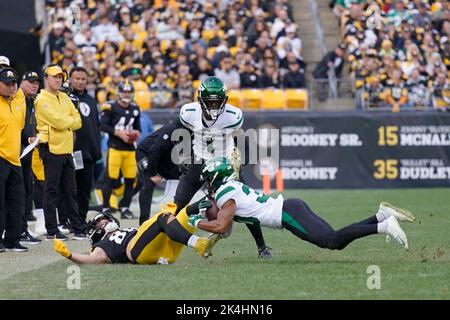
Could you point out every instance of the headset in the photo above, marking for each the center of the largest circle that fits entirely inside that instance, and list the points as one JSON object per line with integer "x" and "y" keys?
{"x": 46, "y": 69}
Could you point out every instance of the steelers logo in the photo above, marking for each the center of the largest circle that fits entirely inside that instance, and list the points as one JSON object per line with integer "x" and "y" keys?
{"x": 135, "y": 113}
{"x": 85, "y": 110}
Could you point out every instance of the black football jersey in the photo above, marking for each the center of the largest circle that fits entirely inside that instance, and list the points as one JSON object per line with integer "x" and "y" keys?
{"x": 115, "y": 246}
{"x": 114, "y": 117}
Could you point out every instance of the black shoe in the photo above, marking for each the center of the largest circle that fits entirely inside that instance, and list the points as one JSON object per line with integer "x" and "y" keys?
{"x": 110, "y": 211}
{"x": 79, "y": 236}
{"x": 28, "y": 239}
{"x": 264, "y": 253}
{"x": 17, "y": 248}
{"x": 59, "y": 236}
{"x": 2, "y": 248}
{"x": 30, "y": 217}
{"x": 127, "y": 214}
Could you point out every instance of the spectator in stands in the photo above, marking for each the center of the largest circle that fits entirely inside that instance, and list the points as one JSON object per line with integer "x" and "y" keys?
{"x": 289, "y": 42}
{"x": 249, "y": 76}
{"x": 396, "y": 93}
{"x": 161, "y": 90}
{"x": 419, "y": 95}
{"x": 107, "y": 31}
{"x": 85, "y": 37}
{"x": 342, "y": 6}
{"x": 270, "y": 77}
{"x": 422, "y": 17}
{"x": 372, "y": 95}
{"x": 56, "y": 38}
{"x": 441, "y": 92}
{"x": 295, "y": 78}
{"x": 228, "y": 74}
{"x": 333, "y": 60}
{"x": 202, "y": 69}
{"x": 184, "y": 91}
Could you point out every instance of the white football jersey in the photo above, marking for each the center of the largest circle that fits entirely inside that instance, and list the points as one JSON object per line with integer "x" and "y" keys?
{"x": 211, "y": 138}
{"x": 251, "y": 206}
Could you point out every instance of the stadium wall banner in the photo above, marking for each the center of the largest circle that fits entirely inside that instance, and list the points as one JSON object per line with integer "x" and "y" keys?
{"x": 350, "y": 150}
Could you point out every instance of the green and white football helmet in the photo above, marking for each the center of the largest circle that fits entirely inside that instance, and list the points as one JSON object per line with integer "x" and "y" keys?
{"x": 212, "y": 96}
{"x": 216, "y": 172}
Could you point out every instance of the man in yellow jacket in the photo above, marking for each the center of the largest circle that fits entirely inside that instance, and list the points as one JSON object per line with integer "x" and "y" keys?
{"x": 57, "y": 119}
{"x": 12, "y": 121}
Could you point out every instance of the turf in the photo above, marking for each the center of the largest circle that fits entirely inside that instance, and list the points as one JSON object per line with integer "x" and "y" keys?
{"x": 298, "y": 271}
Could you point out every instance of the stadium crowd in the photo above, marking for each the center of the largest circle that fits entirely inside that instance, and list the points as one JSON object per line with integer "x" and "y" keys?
{"x": 167, "y": 47}
{"x": 398, "y": 52}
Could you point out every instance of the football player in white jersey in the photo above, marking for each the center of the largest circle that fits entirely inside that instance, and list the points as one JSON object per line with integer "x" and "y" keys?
{"x": 212, "y": 123}
{"x": 238, "y": 202}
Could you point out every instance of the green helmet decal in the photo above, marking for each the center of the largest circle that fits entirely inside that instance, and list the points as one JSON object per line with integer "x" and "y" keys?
{"x": 217, "y": 171}
{"x": 212, "y": 96}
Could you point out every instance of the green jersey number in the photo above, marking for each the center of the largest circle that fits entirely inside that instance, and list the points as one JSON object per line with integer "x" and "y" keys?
{"x": 261, "y": 197}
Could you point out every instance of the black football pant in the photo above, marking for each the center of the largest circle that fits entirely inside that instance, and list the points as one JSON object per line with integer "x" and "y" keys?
{"x": 27, "y": 174}
{"x": 299, "y": 219}
{"x": 189, "y": 185}
{"x": 146, "y": 192}
{"x": 11, "y": 202}
{"x": 60, "y": 177}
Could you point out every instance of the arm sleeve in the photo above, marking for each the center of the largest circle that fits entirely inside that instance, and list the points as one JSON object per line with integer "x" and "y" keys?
{"x": 161, "y": 145}
{"x": 105, "y": 125}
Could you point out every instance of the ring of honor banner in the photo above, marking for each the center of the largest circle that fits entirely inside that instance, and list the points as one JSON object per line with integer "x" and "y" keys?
{"x": 350, "y": 150}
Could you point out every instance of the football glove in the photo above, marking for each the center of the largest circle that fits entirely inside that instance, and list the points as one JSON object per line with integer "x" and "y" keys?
{"x": 203, "y": 206}
{"x": 62, "y": 249}
{"x": 195, "y": 219}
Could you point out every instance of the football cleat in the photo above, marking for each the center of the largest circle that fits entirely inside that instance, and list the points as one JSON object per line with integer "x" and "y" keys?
{"x": 395, "y": 231}
{"x": 387, "y": 210}
{"x": 204, "y": 245}
{"x": 264, "y": 253}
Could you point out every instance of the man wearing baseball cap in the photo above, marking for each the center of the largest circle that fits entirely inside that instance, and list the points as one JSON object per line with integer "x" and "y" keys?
{"x": 57, "y": 119}
{"x": 4, "y": 62}
{"x": 30, "y": 87}
{"x": 12, "y": 121}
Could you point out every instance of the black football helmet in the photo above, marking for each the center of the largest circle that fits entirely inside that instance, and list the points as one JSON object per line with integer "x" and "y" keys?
{"x": 96, "y": 232}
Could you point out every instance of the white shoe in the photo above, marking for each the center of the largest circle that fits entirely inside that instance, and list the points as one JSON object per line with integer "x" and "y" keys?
{"x": 395, "y": 231}
{"x": 387, "y": 210}
{"x": 63, "y": 229}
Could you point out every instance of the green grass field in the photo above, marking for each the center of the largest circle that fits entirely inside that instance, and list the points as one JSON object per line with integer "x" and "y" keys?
{"x": 299, "y": 270}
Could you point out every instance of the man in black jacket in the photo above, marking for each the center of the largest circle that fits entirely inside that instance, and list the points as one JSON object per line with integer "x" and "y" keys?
{"x": 154, "y": 162}
{"x": 332, "y": 60}
{"x": 295, "y": 78}
{"x": 87, "y": 138}
{"x": 29, "y": 86}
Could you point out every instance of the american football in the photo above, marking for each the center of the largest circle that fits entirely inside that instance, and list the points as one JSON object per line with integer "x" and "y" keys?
{"x": 211, "y": 213}
{"x": 133, "y": 135}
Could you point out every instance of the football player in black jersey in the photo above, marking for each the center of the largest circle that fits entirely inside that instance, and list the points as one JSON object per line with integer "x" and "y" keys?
{"x": 160, "y": 240}
{"x": 121, "y": 120}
